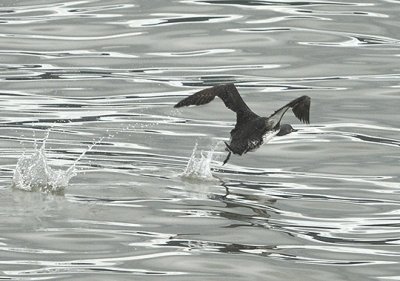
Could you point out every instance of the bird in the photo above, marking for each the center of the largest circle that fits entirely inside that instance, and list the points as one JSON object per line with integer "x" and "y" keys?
{"x": 251, "y": 130}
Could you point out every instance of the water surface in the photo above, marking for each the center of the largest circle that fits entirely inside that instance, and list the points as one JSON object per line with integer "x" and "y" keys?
{"x": 318, "y": 204}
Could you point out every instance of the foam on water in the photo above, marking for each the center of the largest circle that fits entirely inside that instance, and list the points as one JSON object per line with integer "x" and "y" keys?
{"x": 199, "y": 164}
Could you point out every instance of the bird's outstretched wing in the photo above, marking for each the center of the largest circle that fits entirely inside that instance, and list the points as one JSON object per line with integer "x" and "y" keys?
{"x": 300, "y": 108}
{"x": 229, "y": 95}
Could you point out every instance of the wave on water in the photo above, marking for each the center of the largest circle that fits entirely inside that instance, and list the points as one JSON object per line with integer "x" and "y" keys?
{"x": 33, "y": 173}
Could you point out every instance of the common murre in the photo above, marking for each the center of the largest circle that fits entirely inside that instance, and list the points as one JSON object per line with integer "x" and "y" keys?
{"x": 251, "y": 130}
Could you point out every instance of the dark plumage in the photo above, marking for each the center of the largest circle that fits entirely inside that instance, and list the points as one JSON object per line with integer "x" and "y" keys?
{"x": 250, "y": 129}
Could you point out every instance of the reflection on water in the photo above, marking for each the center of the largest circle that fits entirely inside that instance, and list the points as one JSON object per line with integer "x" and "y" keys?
{"x": 104, "y": 77}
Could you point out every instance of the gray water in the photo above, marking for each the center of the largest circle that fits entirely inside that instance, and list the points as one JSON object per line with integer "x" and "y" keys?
{"x": 319, "y": 204}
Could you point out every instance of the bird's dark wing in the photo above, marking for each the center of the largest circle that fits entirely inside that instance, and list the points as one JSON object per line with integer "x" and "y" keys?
{"x": 229, "y": 95}
{"x": 300, "y": 108}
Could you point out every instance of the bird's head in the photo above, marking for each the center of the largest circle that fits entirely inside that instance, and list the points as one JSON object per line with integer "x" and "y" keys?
{"x": 286, "y": 129}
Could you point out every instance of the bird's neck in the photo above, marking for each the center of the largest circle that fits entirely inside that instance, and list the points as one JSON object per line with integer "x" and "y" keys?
{"x": 272, "y": 124}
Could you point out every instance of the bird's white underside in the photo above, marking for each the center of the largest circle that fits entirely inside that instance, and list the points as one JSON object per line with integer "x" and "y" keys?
{"x": 269, "y": 136}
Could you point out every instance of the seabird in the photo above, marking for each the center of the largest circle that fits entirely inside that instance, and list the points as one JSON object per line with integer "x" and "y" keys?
{"x": 251, "y": 130}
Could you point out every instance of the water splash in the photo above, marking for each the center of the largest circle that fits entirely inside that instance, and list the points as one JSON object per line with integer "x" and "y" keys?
{"x": 199, "y": 164}
{"x": 33, "y": 173}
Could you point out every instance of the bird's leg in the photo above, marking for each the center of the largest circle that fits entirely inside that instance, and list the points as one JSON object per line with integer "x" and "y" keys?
{"x": 228, "y": 148}
{"x": 227, "y": 157}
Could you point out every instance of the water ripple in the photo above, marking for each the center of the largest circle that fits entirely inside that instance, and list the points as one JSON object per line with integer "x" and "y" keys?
{"x": 57, "y": 54}
{"x": 194, "y": 53}
{"x": 355, "y": 40}
{"x": 58, "y": 11}
{"x": 172, "y": 19}
{"x": 258, "y": 3}
{"x": 69, "y": 38}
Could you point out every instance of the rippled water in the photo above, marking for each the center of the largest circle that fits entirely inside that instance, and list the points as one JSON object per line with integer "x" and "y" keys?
{"x": 151, "y": 199}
